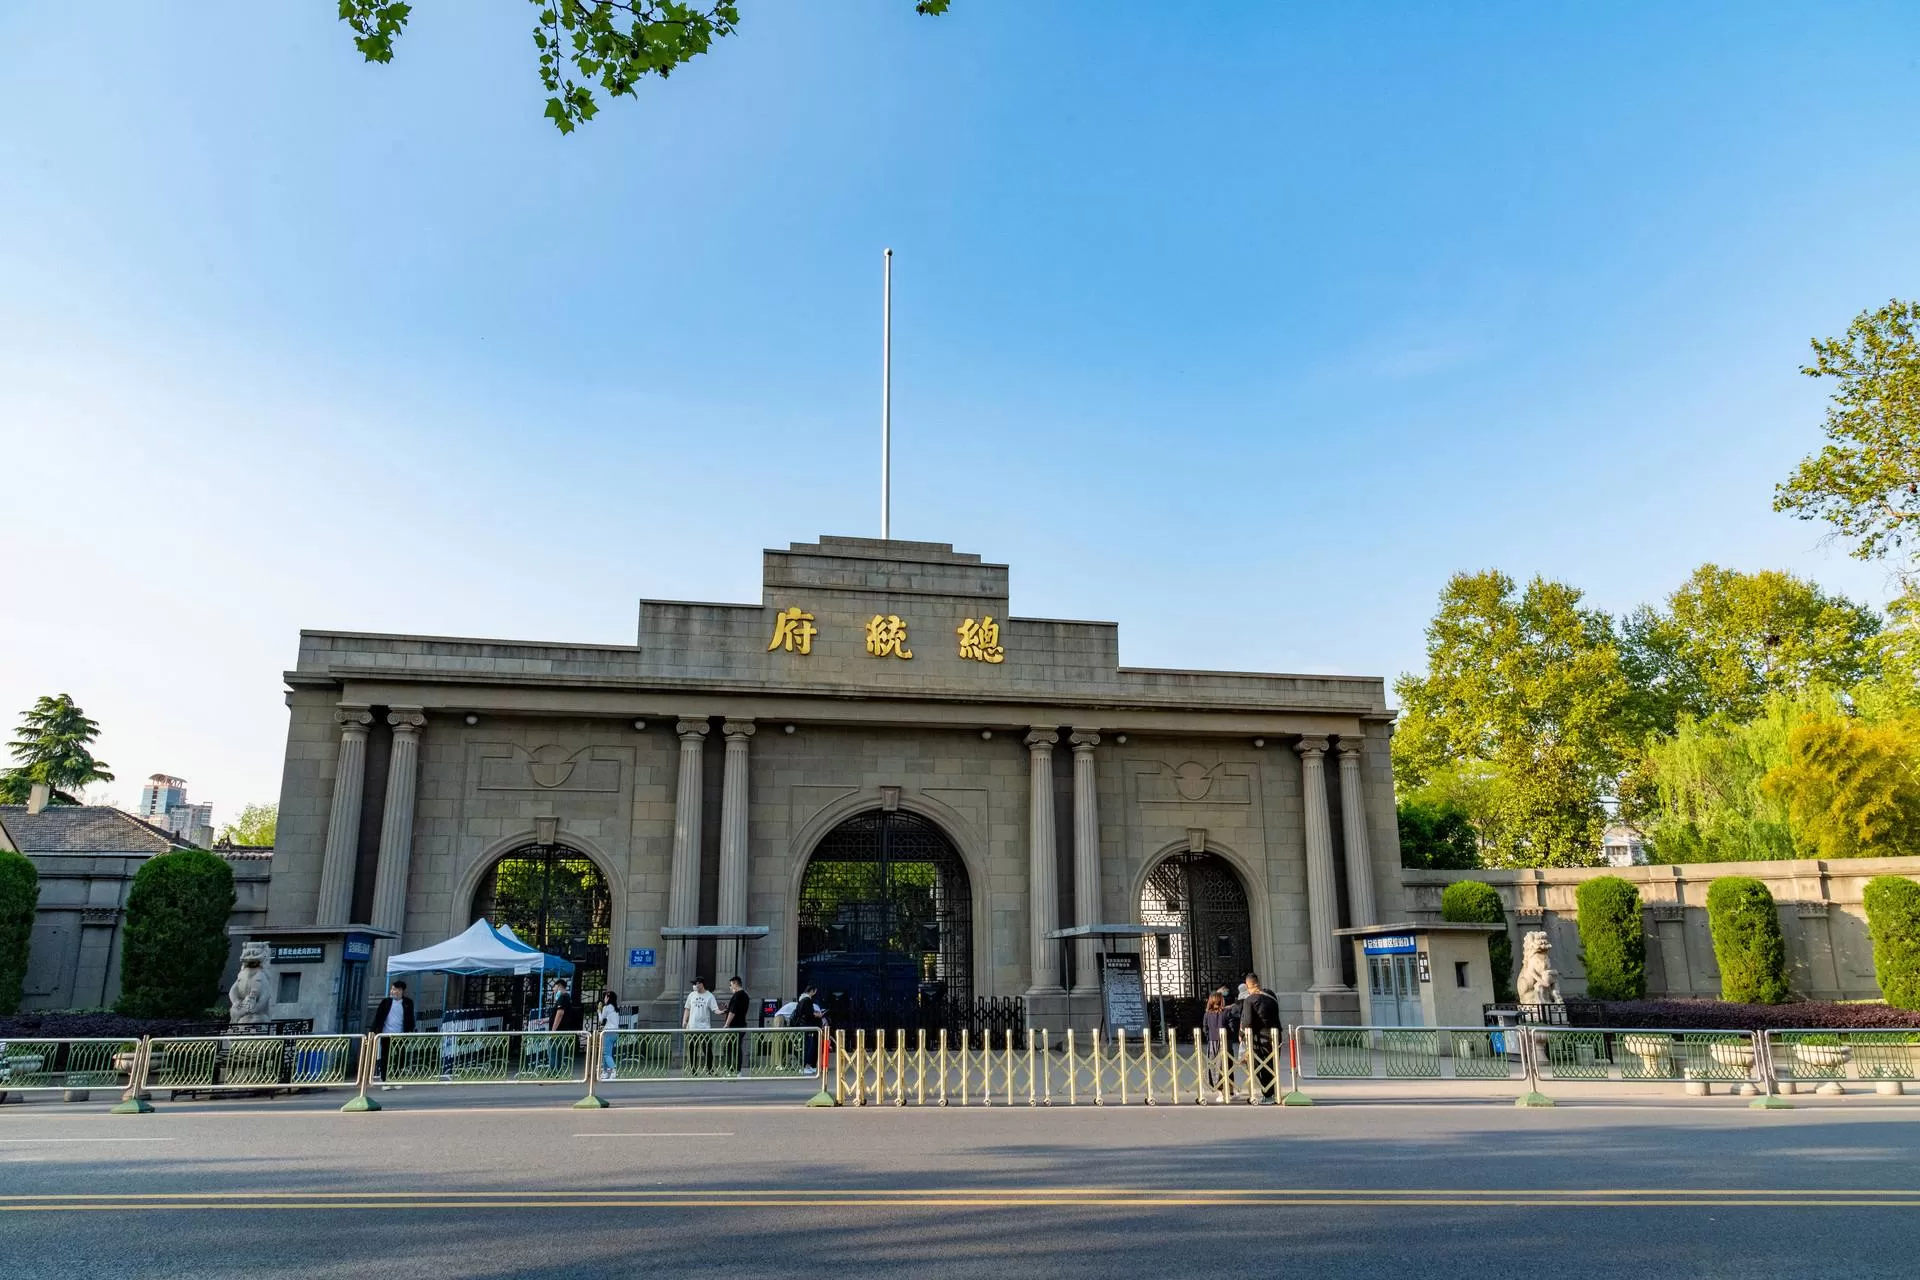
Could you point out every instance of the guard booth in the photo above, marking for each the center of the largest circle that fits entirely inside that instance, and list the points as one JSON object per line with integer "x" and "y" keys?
{"x": 1423, "y": 975}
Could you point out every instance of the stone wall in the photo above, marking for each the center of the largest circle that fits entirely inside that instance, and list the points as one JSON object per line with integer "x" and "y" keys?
{"x": 1829, "y": 954}
{"x": 73, "y": 957}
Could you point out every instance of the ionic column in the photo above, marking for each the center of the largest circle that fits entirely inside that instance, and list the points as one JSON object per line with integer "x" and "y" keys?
{"x": 1353, "y": 827}
{"x": 733, "y": 846}
{"x": 396, "y": 835}
{"x": 335, "y": 905}
{"x": 1043, "y": 881}
{"x": 683, "y": 886}
{"x": 1086, "y": 857}
{"x": 1323, "y": 904}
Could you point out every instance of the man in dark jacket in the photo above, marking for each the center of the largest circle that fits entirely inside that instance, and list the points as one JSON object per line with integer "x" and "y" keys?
{"x": 394, "y": 1016}
{"x": 1260, "y": 1014}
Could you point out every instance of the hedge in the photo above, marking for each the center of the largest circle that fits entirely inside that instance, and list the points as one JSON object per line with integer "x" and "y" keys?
{"x": 1747, "y": 944}
{"x": 175, "y": 945}
{"x": 19, "y": 895}
{"x": 1471, "y": 902}
{"x": 1893, "y": 920}
{"x": 1613, "y": 943}
{"x": 1720, "y": 1015}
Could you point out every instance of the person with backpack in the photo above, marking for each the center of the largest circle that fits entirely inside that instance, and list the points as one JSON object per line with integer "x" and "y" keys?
{"x": 1260, "y": 1014}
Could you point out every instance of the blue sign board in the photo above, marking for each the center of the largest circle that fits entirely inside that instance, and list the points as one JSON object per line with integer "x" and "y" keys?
{"x": 640, "y": 958}
{"x": 359, "y": 946}
{"x": 1397, "y": 944}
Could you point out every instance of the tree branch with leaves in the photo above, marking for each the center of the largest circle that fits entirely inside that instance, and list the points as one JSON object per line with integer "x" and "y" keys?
{"x": 614, "y": 44}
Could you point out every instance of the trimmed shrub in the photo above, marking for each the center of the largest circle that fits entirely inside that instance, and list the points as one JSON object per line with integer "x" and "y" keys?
{"x": 1747, "y": 943}
{"x": 1613, "y": 943}
{"x": 19, "y": 895}
{"x": 1719, "y": 1015}
{"x": 1893, "y": 919}
{"x": 1471, "y": 902}
{"x": 175, "y": 945}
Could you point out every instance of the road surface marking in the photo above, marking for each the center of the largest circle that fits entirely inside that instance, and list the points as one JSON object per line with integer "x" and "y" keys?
{"x": 653, "y": 1135}
{"x": 86, "y": 1139}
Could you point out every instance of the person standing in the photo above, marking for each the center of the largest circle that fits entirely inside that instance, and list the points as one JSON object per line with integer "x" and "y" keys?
{"x": 738, "y": 1002}
{"x": 697, "y": 1013}
{"x": 609, "y": 1028}
{"x": 1219, "y": 1046}
{"x": 808, "y": 1013}
{"x": 394, "y": 1017}
{"x": 1260, "y": 1014}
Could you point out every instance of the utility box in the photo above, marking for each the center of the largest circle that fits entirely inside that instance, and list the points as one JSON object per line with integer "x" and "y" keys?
{"x": 1423, "y": 975}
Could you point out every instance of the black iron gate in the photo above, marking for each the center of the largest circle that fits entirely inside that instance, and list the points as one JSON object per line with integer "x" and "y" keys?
{"x": 1203, "y": 895}
{"x": 555, "y": 900}
{"x": 886, "y": 924}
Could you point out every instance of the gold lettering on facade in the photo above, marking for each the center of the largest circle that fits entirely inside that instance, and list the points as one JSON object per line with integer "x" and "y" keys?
{"x": 981, "y": 640}
{"x": 887, "y": 636}
{"x": 793, "y": 631}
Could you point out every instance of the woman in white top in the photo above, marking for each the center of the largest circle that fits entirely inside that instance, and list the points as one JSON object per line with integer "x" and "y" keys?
{"x": 609, "y": 1023}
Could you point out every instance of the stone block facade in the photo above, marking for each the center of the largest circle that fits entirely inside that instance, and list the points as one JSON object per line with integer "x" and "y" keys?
{"x": 700, "y": 769}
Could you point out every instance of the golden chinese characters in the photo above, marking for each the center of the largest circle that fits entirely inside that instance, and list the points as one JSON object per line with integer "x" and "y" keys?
{"x": 887, "y": 636}
{"x": 793, "y": 631}
{"x": 981, "y": 640}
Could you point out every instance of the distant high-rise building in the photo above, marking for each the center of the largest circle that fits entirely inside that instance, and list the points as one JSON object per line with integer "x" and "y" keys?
{"x": 163, "y": 802}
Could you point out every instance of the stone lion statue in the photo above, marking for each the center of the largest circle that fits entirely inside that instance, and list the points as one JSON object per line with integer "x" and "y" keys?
{"x": 1538, "y": 983}
{"x": 247, "y": 998}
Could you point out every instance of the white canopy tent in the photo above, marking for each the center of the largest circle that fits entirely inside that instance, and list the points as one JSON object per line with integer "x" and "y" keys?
{"x": 481, "y": 949}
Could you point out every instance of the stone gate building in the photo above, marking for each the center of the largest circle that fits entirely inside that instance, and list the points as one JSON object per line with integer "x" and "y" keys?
{"x": 908, "y": 787}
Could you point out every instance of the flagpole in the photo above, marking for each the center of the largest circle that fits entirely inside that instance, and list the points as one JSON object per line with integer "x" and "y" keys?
{"x": 886, "y": 397}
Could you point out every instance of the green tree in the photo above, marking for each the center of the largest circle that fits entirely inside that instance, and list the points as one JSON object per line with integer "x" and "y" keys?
{"x": 175, "y": 942}
{"x": 1524, "y": 693}
{"x": 1866, "y": 481}
{"x": 1698, "y": 793}
{"x": 614, "y": 43}
{"x": 1471, "y": 902}
{"x": 1893, "y": 920}
{"x": 1747, "y": 943}
{"x": 256, "y": 825}
{"x": 1437, "y": 836}
{"x": 1613, "y": 942}
{"x": 1850, "y": 787}
{"x": 53, "y": 747}
{"x": 1727, "y": 641}
{"x": 19, "y": 895}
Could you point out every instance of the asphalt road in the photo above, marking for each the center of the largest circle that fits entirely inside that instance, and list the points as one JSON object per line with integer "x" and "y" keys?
{"x": 532, "y": 1188}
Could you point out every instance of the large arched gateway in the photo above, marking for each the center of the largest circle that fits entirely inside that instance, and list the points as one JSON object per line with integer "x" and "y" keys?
{"x": 1202, "y": 894}
{"x": 554, "y": 898}
{"x": 886, "y": 922}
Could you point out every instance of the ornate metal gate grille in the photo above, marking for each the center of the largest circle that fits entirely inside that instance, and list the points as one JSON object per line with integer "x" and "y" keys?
{"x": 1201, "y": 893}
{"x": 886, "y": 923}
{"x": 555, "y": 900}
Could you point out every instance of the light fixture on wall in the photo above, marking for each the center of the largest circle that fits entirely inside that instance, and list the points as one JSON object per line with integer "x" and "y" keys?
{"x": 986, "y": 734}
{"x": 1259, "y": 742}
{"x": 1120, "y": 738}
{"x": 789, "y": 729}
{"x": 641, "y": 725}
{"x": 472, "y": 718}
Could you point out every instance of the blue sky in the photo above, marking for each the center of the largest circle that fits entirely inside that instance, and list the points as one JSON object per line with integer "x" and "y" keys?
{"x": 1244, "y": 328}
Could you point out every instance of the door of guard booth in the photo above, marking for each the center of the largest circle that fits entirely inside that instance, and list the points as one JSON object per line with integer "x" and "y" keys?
{"x": 1393, "y": 985}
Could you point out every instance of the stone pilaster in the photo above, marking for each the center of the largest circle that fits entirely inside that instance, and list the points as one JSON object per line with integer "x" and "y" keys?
{"x": 1043, "y": 881}
{"x": 1086, "y": 858}
{"x": 396, "y": 839}
{"x": 1353, "y": 829}
{"x": 1323, "y": 904}
{"x": 683, "y": 886}
{"x": 335, "y": 905}
{"x": 733, "y": 846}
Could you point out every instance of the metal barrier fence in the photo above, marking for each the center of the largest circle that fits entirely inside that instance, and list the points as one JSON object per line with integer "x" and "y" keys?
{"x": 732, "y": 1053}
{"x": 1827, "y": 1059}
{"x": 1040, "y": 1070}
{"x": 28, "y": 1066}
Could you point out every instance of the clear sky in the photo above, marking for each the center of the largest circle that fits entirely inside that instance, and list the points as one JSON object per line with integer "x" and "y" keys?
{"x": 1243, "y": 326}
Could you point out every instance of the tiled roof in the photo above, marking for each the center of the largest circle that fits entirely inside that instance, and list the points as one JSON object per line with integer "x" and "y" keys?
{"x": 83, "y": 829}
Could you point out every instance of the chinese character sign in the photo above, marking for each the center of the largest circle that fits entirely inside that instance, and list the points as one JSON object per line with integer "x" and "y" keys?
{"x": 793, "y": 631}
{"x": 887, "y": 636}
{"x": 981, "y": 640}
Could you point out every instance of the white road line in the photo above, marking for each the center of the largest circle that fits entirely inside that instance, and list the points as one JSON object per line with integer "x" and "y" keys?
{"x": 653, "y": 1135}
{"x": 85, "y": 1138}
